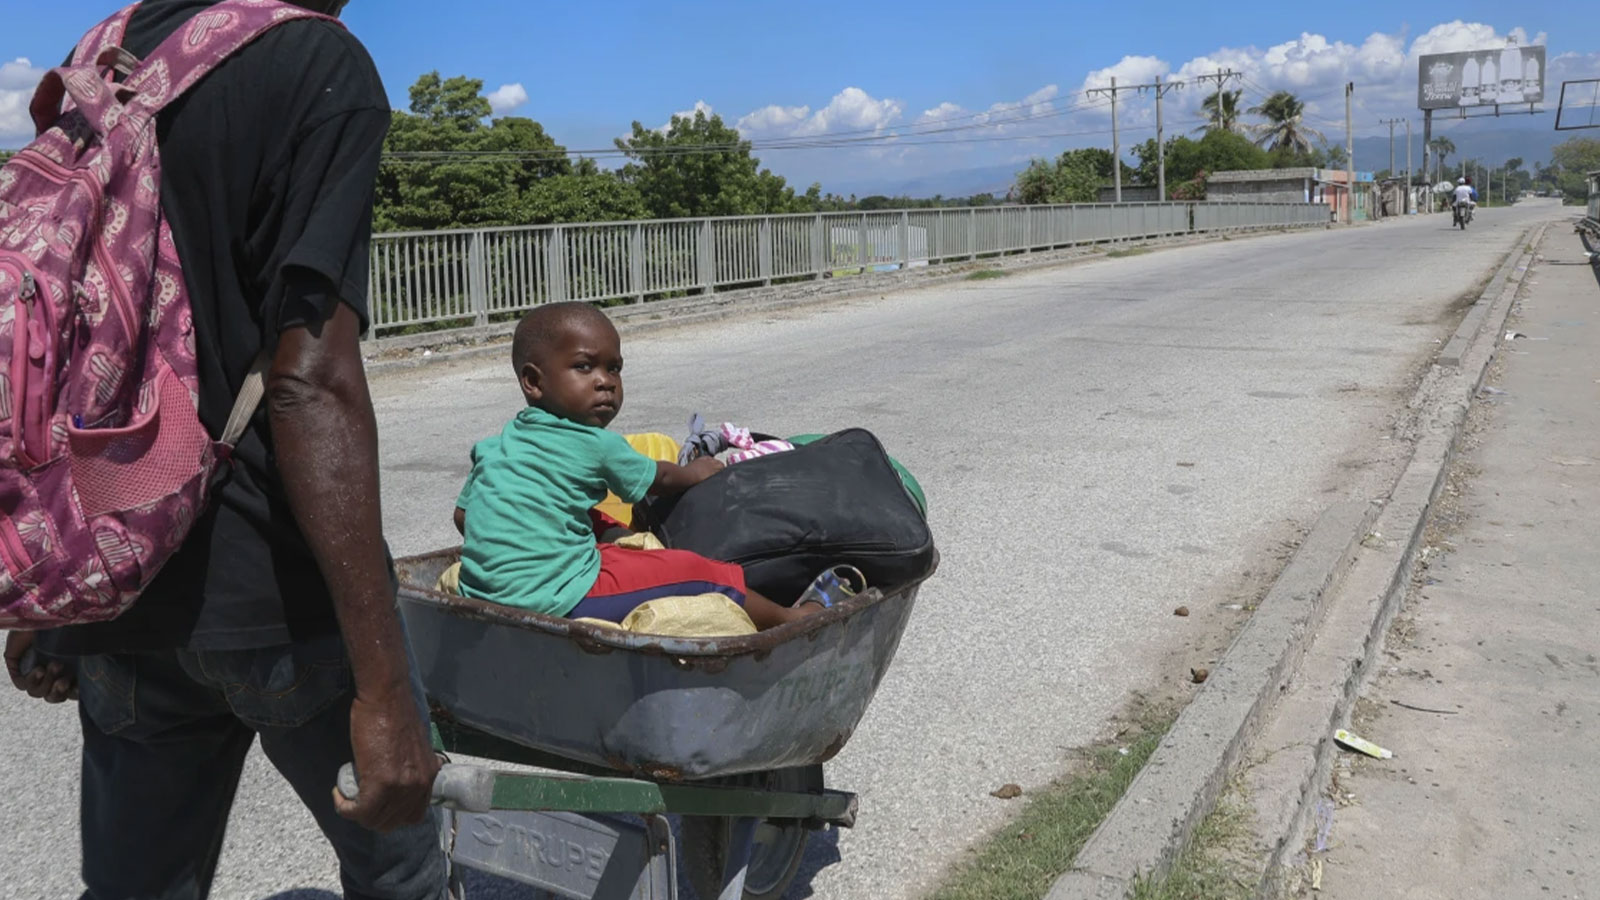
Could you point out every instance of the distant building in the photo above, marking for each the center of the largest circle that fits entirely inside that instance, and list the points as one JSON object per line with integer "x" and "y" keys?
{"x": 1131, "y": 193}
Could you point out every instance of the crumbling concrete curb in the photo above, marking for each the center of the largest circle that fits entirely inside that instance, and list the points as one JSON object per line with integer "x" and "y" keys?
{"x": 1180, "y": 783}
{"x": 1286, "y": 785}
{"x": 1178, "y": 787}
{"x": 489, "y": 340}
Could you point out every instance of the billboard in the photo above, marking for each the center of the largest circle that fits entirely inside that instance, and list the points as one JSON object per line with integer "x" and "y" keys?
{"x": 1505, "y": 76}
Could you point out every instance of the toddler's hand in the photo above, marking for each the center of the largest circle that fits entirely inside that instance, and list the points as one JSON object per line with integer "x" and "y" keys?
{"x": 703, "y": 468}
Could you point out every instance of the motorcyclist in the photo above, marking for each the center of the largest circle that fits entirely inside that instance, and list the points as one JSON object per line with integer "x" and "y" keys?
{"x": 1465, "y": 193}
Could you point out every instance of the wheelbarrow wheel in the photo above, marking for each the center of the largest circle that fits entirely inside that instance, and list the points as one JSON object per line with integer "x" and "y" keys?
{"x": 779, "y": 845}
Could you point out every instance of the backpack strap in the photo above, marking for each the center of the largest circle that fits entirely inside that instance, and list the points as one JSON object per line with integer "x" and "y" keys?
{"x": 105, "y": 36}
{"x": 204, "y": 42}
{"x": 250, "y": 394}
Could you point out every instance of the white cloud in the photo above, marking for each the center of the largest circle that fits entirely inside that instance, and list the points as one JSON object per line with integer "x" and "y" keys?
{"x": 773, "y": 118}
{"x": 700, "y": 106}
{"x": 507, "y": 97}
{"x": 852, "y": 109}
{"x": 18, "y": 79}
{"x": 1129, "y": 70}
{"x": 943, "y": 111}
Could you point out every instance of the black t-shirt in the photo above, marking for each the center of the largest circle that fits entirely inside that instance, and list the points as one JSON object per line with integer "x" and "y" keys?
{"x": 268, "y": 167}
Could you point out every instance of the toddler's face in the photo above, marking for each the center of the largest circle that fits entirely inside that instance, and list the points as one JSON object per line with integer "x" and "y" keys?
{"x": 580, "y": 378}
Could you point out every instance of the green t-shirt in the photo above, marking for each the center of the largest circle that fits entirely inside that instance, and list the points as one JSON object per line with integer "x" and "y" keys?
{"x": 529, "y": 542}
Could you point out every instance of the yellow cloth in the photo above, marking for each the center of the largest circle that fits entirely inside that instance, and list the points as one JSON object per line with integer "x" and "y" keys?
{"x": 449, "y": 580}
{"x": 704, "y": 615}
{"x": 658, "y": 447}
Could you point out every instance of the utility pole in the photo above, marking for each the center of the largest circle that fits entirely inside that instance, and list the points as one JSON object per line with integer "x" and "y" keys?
{"x": 1411, "y": 178}
{"x": 1391, "y": 123}
{"x": 1222, "y": 77}
{"x": 1116, "y": 137}
{"x": 1161, "y": 145}
{"x": 1349, "y": 156}
{"x": 1427, "y": 153}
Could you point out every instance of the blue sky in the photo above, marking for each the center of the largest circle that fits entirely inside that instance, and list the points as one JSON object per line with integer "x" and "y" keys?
{"x": 787, "y": 71}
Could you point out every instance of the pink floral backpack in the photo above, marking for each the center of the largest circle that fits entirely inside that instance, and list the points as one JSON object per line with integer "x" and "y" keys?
{"x": 104, "y": 463}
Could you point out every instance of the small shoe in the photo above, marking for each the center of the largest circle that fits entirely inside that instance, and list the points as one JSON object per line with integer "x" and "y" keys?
{"x": 835, "y": 585}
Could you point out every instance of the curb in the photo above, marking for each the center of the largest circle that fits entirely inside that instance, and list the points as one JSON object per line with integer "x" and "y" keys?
{"x": 633, "y": 319}
{"x": 1153, "y": 821}
{"x": 1322, "y": 694}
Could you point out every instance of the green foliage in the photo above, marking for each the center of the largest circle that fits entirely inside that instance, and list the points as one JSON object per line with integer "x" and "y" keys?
{"x": 1074, "y": 177}
{"x": 1570, "y": 161}
{"x": 1442, "y": 147}
{"x": 1188, "y": 160}
{"x": 1285, "y": 129}
{"x": 5, "y": 155}
{"x": 722, "y": 178}
{"x": 1221, "y": 110}
{"x": 472, "y": 172}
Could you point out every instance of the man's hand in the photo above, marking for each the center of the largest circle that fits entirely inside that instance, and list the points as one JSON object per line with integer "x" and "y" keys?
{"x": 394, "y": 761}
{"x": 51, "y": 682}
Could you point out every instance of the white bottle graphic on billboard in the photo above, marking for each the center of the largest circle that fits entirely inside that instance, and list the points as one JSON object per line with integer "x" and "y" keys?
{"x": 1469, "y": 82}
{"x": 1490, "y": 92}
{"x": 1531, "y": 89}
{"x": 1512, "y": 87}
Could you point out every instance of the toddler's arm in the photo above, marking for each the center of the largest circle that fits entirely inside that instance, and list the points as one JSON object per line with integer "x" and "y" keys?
{"x": 672, "y": 478}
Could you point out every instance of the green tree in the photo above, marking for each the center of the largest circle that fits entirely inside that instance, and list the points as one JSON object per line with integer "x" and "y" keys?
{"x": 5, "y": 155}
{"x": 1221, "y": 110}
{"x": 1285, "y": 127}
{"x": 1189, "y": 159}
{"x": 1570, "y": 161}
{"x": 445, "y": 168}
{"x": 1074, "y": 177}
{"x": 1442, "y": 147}
{"x": 701, "y": 167}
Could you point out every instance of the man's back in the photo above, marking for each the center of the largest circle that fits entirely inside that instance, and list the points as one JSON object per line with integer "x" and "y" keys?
{"x": 268, "y": 168}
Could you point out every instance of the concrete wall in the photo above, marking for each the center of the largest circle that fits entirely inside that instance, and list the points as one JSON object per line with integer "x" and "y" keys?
{"x": 1133, "y": 193}
{"x": 1277, "y": 190}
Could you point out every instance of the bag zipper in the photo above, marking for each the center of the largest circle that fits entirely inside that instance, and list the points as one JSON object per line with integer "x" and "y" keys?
{"x": 32, "y": 358}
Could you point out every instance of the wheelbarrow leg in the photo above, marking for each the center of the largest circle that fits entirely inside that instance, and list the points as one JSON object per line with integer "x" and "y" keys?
{"x": 741, "y": 841}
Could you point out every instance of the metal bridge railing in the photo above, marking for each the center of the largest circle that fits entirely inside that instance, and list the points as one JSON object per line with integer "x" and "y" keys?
{"x": 443, "y": 279}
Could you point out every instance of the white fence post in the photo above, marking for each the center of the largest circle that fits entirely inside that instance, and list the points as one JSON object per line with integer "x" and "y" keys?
{"x": 706, "y": 257}
{"x": 556, "y": 264}
{"x": 477, "y": 289}
{"x": 821, "y": 249}
{"x": 636, "y": 263}
{"x": 764, "y": 250}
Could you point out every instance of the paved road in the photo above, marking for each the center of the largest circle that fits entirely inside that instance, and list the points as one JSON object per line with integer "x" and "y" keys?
{"x": 1100, "y": 443}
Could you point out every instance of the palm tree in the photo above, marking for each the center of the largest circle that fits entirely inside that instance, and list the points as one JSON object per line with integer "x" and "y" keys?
{"x": 1285, "y": 126}
{"x": 1442, "y": 147}
{"x": 1222, "y": 111}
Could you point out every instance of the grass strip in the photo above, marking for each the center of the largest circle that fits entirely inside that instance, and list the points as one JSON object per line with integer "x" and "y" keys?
{"x": 1023, "y": 859}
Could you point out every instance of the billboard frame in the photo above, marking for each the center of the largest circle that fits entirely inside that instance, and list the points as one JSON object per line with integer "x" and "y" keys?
{"x": 1446, "y": 80}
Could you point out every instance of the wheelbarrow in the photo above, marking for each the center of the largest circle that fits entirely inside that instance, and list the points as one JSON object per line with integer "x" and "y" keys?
{"x": 730, "y": 733}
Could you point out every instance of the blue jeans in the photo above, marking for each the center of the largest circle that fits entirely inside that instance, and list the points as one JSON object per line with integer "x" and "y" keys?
{"x": 164, "y": 739}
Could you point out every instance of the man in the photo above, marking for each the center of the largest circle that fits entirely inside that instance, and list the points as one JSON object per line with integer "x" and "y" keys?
{"x": 277, "y": 617}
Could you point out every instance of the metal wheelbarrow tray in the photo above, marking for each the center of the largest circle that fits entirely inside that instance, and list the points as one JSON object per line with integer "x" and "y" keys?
{"x": 662, "y": 708}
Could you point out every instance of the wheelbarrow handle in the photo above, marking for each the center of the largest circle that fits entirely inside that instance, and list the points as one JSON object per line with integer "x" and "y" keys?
{"x": 457, "y": 786}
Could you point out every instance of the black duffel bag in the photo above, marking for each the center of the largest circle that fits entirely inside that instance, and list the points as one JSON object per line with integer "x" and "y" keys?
{"x": 786, "y": 517}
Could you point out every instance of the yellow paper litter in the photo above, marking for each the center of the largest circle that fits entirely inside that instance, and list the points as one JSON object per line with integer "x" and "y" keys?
{"x": 1362, "y": 745}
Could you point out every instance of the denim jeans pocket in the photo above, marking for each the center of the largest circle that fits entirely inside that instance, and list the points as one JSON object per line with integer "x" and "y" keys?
{"x": 106, "y": 690}
{"x": 281, "y": 687}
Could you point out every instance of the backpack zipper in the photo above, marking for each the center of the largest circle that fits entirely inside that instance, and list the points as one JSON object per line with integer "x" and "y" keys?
{"x": 31, "y": 360}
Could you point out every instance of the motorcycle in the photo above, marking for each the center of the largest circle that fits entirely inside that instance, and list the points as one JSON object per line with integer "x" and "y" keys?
{"x": 1463, "y": 215}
